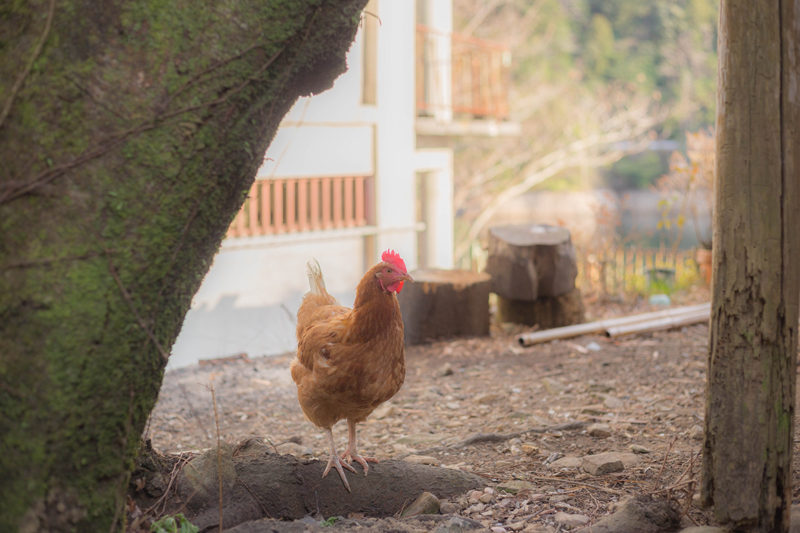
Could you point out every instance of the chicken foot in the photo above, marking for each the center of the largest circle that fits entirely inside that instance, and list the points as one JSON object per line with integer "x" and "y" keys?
{"x": 334, "y": 461}
{"x": 351, "y": 453}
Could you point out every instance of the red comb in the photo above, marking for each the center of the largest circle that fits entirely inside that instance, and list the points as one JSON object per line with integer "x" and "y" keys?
{"x": 393, "y": 258}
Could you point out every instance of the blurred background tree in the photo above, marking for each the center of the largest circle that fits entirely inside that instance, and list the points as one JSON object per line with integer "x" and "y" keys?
{"x": 594, "y": 84}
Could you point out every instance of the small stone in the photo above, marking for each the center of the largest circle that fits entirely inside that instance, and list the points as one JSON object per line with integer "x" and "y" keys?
{"x": 477, "y": 508}
{"x": 516, "y": 526}
{"x": 383, "y": 411}
{"x": 426, "y": 503}
{"x": 602, "y": 463}
{"x": 593, "y": 347}
{"x": 598, "y": 430}
{"x": 553, "y": 386}
{"x": 636, "y": 448}
{"x": 446, "y": 370}
{"x": 704, "y": 529}
{"x": 611, "y": 402}
{"x": 570, "y": 520}
{"x": 485, "y": 498}
{"x": 422, "y": 460}
{"x": 529, "y": 449}
{"x": 488, "y": 398}
{"x": 696, "y": 432}
{"x": 448, "y": 508}
{"x": 457, "y": 524}
{"x": 498, "y": 529}
{"x": 514, "y": 486}
{"x": 567, "y": 462}
{"x": 473, "y": 496}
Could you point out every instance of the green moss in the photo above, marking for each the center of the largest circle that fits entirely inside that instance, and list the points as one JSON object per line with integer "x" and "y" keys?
{"x": 147, "y": 213}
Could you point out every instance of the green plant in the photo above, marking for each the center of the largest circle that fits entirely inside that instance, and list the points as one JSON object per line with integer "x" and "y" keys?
{"x": 173, "y": 524}
{"x": 330, "y": 521}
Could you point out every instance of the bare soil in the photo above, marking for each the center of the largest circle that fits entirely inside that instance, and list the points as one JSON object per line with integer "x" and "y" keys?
{"x": 489, "y": 407}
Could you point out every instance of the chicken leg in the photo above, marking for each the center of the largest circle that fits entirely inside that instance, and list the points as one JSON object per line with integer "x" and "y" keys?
{"x": 351, "y": 453}
{"x": 334, "y": 461}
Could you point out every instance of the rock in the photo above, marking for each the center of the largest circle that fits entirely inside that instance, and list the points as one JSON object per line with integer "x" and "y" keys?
{"x": 516, "y": 526}
{"x": 445, "y": 370}
{"x": 485, "y": 498}
{"x": 497, "y": 529}
{"x": 593, "y": 347}
{"x": 704, "y": 529}
{"x": 529, "y": 449}
{"x": 426, "y": 503}
{"x": 448, "y": 508}
{"x": 514, "y": 486}
{"x": 602, "y": 463}
{"x": 570, "y": 520}
{"x": 640, "y": 514}
{"x": 567, "y": 462}
{"x": 489, "y": 398}
{"x": 612, "y": 402}
{"x": 553, "y": 386}
{"x": 422, "y": 460}
{"x": 457, "y": 524}
{"x": 636, "y": 448}
{"x": 696, "y": 432}
{"x": 383, "y": 411}
{"x": 598, "y": 430}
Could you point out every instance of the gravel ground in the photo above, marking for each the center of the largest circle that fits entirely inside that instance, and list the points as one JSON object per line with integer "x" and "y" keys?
{"x": 532, "y": 421}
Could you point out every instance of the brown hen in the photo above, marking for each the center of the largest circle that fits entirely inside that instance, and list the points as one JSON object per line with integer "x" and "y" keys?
{"x": 349, "y": 361}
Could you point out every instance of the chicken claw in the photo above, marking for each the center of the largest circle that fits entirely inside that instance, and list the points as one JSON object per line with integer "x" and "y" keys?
{"x": 351, "y": 453}
{"x": 348, "y": 456}
{"x": 334, "y": 461}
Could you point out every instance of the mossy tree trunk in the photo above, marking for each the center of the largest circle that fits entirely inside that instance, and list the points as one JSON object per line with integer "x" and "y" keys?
{"x": 747, "y": 453}
{"x": 129, "y": 135}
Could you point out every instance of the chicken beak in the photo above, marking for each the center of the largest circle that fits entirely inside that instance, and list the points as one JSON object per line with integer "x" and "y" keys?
{"x": 407, "y": 277}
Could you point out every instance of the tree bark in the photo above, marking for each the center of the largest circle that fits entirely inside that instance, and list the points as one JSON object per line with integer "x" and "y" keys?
{"x": 747, "y": 452}
{"x": 129, "y": 135}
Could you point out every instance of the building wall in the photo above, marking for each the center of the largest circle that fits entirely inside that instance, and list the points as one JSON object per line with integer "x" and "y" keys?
{"x": 249, "y": 298}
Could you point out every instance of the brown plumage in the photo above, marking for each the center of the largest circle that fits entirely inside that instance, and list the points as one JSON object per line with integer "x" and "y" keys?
{"x": 349, "y": 361}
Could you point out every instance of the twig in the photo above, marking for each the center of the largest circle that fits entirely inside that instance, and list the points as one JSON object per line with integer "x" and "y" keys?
{"x": 24, "y": 74}
{"x": 666, "y": 454}
{"x": 579, "y": 483}
{"x": 219, "y": 453}
{"x": 497, "y": 437}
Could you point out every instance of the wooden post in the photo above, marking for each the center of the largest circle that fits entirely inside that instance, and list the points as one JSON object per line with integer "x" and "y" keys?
{"x": 749, "y": 422}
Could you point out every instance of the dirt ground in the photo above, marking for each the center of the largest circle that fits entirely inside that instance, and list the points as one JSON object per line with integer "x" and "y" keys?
{"x": 493, "y": 408}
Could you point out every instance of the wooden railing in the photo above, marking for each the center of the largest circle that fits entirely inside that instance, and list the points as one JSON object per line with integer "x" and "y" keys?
{"x": 286, "y": 205}
{"x": 479, "y": 74}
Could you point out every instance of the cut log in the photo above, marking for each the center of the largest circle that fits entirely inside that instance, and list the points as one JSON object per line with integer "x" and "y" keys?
{"x": 257, "y": 483}
{"x": 445, "y": 303}
{"x": 530, "y": 261}
{"x": 545, "y": 312}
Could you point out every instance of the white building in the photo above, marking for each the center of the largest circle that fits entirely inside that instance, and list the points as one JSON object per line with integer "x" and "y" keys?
{"x": 345, "y": 178}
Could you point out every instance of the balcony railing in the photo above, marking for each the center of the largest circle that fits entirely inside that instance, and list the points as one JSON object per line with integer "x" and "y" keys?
{"x": 288, "y": 205}
{"x": 461, "y": 75}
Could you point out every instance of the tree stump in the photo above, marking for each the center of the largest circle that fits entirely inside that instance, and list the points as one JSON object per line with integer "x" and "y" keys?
{"x": 546, "y": 312}
{"x": 445, "y": 303}
{"x": 533, "y": 271}
{"x": 529, "y": 261}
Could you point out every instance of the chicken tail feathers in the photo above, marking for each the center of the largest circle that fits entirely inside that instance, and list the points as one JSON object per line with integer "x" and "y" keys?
{"x": 315, "y": 280}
